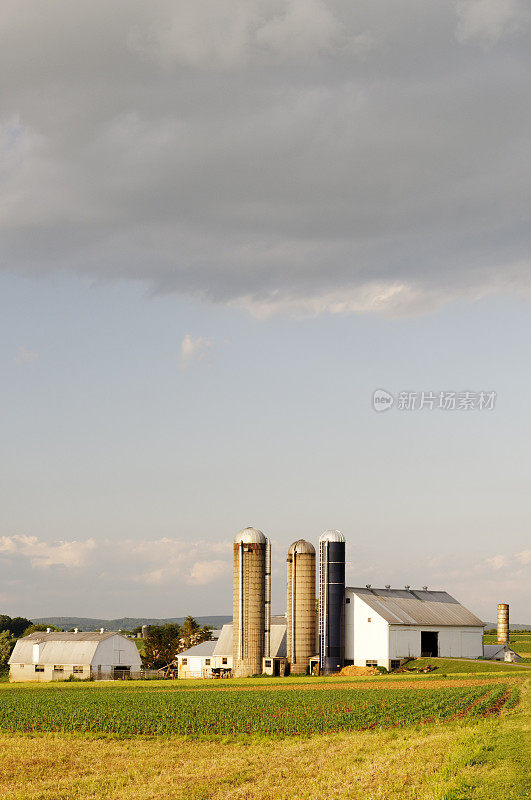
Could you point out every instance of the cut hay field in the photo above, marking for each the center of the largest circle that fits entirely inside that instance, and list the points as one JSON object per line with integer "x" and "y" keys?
{"x": 392, "y": 737}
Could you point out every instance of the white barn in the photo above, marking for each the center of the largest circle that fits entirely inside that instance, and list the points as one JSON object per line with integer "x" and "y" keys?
{"x": 55, "y": 656}
{"x": 383, "y": 627}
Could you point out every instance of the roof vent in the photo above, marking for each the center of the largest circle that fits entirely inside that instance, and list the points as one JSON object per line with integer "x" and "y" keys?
{"x": 387, "y": 585}
{"x": 407, "y": 587}
{"x": 367, "y": 585}
{"x": 425, "y": 588}
{"x": 48, "y": 630}
{"x": 102, "y": 630}
{"x": 76, "y": 630}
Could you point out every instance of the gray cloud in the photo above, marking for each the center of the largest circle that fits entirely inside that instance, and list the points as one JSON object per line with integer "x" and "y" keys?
{"x": 287, "y": 156}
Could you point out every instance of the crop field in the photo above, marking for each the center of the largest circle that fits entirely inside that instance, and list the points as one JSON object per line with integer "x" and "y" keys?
{"x": 152, "y": 711}
{"x": 413, "y": 737}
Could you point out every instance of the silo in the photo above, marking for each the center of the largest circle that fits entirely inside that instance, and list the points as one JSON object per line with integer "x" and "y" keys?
{"x": 503, "y": 623}
{"x": 249, "y": 635}
{"x": 301, "y": 613}
{"x": 331, "y": 602}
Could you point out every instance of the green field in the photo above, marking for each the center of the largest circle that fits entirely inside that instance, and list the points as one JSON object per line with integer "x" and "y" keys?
{"x": 407, "y": 736}
{"x": 164, "y": 711}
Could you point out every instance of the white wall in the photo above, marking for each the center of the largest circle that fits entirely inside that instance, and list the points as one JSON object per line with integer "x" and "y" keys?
{"x": 116, "y": 651}
{"x": 454, "y": 641}
{"x": 364, "y": 640}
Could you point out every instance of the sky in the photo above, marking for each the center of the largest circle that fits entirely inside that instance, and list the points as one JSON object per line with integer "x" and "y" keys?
{"x": 223, "y": 227}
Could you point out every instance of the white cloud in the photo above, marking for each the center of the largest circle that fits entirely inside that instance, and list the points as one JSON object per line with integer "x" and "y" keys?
{"x": 43, "y": 555}
{"x": 497, "y": 562}
{"x": 208, "y": 35}
{"x": 202, "y": 573}
{"x": 489, "y": 20}
{"x": 524, "y": 557}
{"x": 25, "y": 356}
{"x": 193, "y": 350}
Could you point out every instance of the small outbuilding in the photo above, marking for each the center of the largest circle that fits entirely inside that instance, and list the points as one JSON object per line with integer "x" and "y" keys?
{"x": 500, "y": 652}
{"x": 384, "y": 627}
{"x": 213, "y": 659}
{"x": 56, "y": 656}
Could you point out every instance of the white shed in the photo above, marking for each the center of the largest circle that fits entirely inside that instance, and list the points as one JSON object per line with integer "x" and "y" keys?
{"x": 55, "y": 656}
{"x": 383, "y": 627}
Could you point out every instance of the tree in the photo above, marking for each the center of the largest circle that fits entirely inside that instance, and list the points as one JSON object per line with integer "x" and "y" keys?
{"x": 5, "y": 622}
{"x": 192, "y": 633}
{"x": 161, "y": 645}
{"x": 19, "y": 625}
{"x": 7, "y": 643}
{"x": 38, "y": 628}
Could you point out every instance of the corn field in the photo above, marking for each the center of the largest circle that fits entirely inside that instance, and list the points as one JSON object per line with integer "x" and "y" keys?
{"x": 152, "y": 711}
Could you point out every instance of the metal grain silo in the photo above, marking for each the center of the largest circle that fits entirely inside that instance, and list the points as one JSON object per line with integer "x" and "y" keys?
{"x": 331, "y": 601}
{"x": 503, "y": 623}
{"x": 250, "y": 634}
{"x": 301, "y": 613}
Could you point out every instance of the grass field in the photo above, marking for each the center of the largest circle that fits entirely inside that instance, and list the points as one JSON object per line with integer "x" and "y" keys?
{"x": 421, "y": 737}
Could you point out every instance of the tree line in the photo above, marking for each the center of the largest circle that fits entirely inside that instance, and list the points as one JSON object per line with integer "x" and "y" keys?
{"x": 164, "y": 642}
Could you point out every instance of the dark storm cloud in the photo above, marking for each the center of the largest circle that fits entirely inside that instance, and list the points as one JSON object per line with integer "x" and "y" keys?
{"x": 292, "y": 156}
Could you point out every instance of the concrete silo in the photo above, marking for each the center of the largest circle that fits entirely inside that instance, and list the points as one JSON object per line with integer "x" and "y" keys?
{"x": 331, "y": 602}
{"x": 503, "y": 623}
{"x": 251, "y": 595}
{"x": 301, "y": 612}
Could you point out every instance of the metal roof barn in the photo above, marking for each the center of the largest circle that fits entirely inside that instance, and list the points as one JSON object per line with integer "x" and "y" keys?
{"x": 57, "y": 655}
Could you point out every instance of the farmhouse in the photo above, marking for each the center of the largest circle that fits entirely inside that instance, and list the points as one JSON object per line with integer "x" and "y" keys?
{"x": 213, "y": 659}
{"x": 55, "y": 656}
{"x": 383, "y": 627}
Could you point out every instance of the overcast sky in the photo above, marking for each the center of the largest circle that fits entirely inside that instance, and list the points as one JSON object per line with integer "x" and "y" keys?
{"x": 223, "y": 226}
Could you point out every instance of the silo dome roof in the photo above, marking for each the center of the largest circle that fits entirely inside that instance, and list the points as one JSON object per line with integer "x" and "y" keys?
{"x": 250, "y": 536}
{"x": 332, "y": 536}
{"x": 301, "y": 546}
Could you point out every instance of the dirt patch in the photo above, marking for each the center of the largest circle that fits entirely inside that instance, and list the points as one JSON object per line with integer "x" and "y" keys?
{"x": 352, "y": 672}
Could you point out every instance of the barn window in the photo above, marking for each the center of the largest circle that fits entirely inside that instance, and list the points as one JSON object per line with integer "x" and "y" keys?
{"x": 77, "y": 670}
{"x": 369, "y": 619}
{"x": 207, "y": 661}
{"x": 185, "y": 661}
{"x": 223, "y": 660}
{"x": 347, "y": 600}
{"x": 268, "y": 662}
{"x": 39, "y": 668}
{"x": 58, "y": 668}
{"x": 371, "y": 663}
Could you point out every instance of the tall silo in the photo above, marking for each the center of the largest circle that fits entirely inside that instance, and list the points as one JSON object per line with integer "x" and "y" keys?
{"x": 301, "y": 613}
{"x": 250, "y": 639}
{"x": 331, "y": 602}
{"x": 503, "y": 623}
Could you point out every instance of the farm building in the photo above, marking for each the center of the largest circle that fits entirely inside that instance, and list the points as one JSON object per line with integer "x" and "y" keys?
{"x": 499, "y": 652}
{"x": 385, "y": 626}
{"x": 213, "y": 659}
{"x": 55, "y": 656}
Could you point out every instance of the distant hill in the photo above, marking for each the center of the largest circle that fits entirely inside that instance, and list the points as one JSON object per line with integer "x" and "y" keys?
{"x": 124, "y": 623}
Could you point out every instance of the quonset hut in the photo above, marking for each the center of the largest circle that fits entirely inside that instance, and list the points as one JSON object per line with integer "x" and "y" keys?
{"x": 55, "y": 656}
